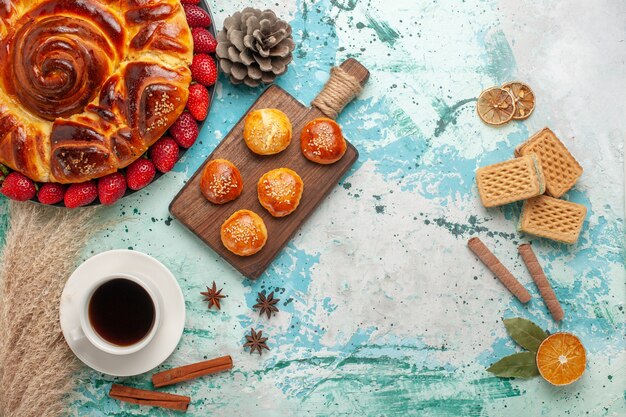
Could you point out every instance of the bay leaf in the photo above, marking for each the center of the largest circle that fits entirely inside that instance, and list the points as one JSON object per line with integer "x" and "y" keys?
{"x": 526, "y": 333}
{"x": 517, "y": 365}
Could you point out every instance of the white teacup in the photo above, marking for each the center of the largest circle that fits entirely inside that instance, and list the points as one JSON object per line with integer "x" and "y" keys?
{"x": 87, "y": 330}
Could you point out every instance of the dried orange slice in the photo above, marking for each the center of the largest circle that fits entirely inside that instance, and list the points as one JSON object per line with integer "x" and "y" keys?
{"x": 524, "y": 99}
{"x": 495, "y": 106}
{"x": 561, "y": 359}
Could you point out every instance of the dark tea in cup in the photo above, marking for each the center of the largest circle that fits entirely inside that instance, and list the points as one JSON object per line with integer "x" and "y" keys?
{"x": 121, "y": 312}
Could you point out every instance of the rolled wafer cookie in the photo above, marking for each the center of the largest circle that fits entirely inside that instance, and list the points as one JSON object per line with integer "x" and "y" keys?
{"x": 489, "y": 259}
{"x": 541, "y": 281}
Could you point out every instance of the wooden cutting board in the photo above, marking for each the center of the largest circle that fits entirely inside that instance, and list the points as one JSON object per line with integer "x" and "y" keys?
{"x": 205, "y": 219}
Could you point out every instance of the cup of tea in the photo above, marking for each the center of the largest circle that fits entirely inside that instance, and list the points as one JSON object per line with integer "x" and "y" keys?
{"x": 119, "y": 315}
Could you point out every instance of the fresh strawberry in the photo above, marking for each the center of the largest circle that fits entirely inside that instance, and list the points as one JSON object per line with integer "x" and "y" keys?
{"x": 203, "y": 41}
{"x": 164, "y": 154}
{"x": 196, "y": 17}
{"x": 18, "y": 187}
{"x": 190, "y": 1}
{"x": 185, "y": 130}
{"x": 204, "y": 69}
{"x": 81, "y": 194}
{"x": 111, "y": 188}
{"x": 198, "y": 101}
{"x": 140, "y": 173}
{"x": 51, "y": 193}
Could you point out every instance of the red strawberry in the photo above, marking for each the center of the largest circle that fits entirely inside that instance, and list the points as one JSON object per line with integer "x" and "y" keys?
{"x": 164, "y": 154}
{"x": 81, "y": 194}
{"x": 204, "y": 69}
{"x": 196, "y": 17}
{"x": 190, "y": 1}
{"x": 185, "y": 130}
{"x": 51, "y": 193}
{"x": 111, "y": 188}
{"x": 140, "y": 173}
{"x": 198, "y": 101}
{"x": 18, "y": 187}
{"x": 203, "y": 41}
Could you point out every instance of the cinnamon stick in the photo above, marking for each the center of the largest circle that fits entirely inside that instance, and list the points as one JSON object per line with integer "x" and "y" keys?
{"x": 489, "y": 259}
{"x": 188, "y": 372}
{"x": 541, "y": 281}
{"x": 149, "y": 398}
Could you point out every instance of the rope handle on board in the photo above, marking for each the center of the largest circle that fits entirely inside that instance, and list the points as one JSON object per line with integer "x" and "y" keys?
{"x": 340, "y": 89}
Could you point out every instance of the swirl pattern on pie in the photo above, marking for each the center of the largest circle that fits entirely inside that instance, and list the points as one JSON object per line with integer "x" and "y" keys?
{"x": 86, "y": 86}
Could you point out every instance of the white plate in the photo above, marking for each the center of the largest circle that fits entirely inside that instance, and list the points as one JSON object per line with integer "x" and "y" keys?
{"x": 172, "y": 312}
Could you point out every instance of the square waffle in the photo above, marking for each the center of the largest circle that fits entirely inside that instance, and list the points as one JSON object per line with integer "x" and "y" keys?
{"x": 559, "y": 166}
{"x": 509, "y": 181}
{"x": 552, "y": 218}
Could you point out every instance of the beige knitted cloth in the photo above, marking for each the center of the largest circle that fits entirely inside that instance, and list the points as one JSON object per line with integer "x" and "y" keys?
{"x": 42, "y": 247}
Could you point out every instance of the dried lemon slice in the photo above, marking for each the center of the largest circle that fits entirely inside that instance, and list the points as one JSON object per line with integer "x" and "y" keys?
{"x": 495, "y": 106}
{"x": 524, "y": 99}
{"x": 561, "y": 359}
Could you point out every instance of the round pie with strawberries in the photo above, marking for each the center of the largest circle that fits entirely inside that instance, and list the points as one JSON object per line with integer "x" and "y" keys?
{"x": 87, "y": 86}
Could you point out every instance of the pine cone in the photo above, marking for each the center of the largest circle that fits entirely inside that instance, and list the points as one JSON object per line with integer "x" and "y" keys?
{"x": 254, "y": 47}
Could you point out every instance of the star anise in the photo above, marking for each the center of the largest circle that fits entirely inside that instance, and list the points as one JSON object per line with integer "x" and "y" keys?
{"x": 266, "y": 304}
{"x": 213, "y": 296}
{"x": 256, "y": 342}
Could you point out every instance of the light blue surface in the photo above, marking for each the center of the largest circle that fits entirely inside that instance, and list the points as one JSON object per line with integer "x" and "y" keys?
{"x": 383, "y": 309}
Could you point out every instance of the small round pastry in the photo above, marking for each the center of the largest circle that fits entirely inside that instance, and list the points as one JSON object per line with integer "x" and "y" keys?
{"x": 280, "y": 191}
{"x": 244, "y": 233}
{"x": 321, "y": 141}
{"x": 267, "y": 131}
{"x": 221, "y": 181}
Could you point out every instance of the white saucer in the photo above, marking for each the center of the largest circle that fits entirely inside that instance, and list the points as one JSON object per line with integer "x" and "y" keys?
{"x": 172, "y": 315}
